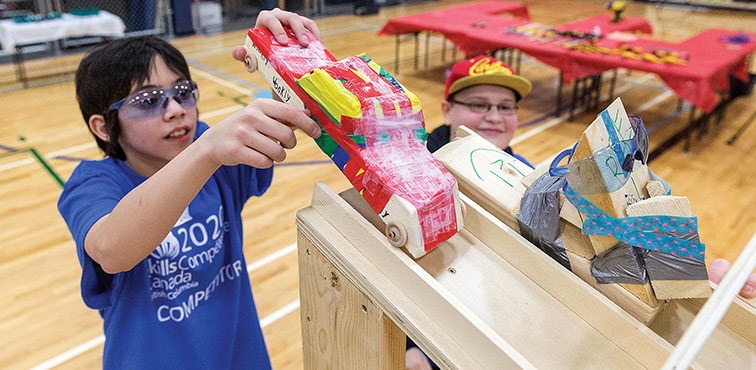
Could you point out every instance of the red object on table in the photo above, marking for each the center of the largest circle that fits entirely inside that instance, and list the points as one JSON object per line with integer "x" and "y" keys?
{"x": 711, "y": 59}
{"x": 479, "y": 40}
{"x": 605, "y": 24}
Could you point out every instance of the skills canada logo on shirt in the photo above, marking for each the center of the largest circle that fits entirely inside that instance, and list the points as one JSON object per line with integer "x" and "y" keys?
{"x": 189, "y": 265}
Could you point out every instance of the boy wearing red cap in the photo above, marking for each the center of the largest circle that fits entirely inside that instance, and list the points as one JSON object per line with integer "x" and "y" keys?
{"x": 482, "y": 94}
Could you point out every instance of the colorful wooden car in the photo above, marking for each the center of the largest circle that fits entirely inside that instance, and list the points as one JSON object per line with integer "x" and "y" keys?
{"x": 373, "y": 130}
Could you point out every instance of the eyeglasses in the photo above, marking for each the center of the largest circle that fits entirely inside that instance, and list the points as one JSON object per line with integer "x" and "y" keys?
{"x": 153, "y": 102}
{"x": 483, "y": 108}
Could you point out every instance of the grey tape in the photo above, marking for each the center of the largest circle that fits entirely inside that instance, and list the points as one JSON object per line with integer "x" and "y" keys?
{"x": 621, "y": 264}
{"x": 664, "y": 266}
{"x": 539, "y": 217}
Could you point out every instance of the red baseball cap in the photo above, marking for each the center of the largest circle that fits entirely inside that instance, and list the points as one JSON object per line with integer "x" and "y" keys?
{"x": 485, "y": 70}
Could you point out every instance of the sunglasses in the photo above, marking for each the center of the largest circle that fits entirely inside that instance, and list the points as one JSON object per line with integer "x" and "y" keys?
{"x": 152, "y": 102}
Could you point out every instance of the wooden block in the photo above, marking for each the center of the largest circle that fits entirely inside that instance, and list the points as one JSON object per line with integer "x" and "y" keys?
{"x": 644, "y": 292}
{"x": 486, "y": 173}
{"x": 655, "y": 189}
{"x": 575, "y": 241}
{"x": 661, "y": 205}
{"x": 676, "y": 289}
{"x": 668, "y": 205}
{"x": 570, "y": 214}
{"x": 616, "y": 293}
{"x": 613, "y": 203}
{"x": 533, "y": 176}
{"x": 595, "y": 188}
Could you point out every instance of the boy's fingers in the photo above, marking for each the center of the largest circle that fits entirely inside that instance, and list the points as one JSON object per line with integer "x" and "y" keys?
{"x": 293, "y": 117}
{"x": 303, "y": 122}
{"x": 310, "y": 25}
{"x": 274, "y": 25}
{"x": 276, "y": 19}
{"x": 300, "y": 32}
{"x": 239, "y": 53}
{"x": 268, "y": 147}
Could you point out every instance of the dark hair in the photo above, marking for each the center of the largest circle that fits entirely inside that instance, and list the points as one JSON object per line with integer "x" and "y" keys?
{"x": 107, "y": 74}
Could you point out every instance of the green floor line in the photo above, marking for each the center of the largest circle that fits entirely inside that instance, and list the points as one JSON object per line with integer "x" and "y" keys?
{"x": 41, "y": 161}
{"x": 46, "y": 166}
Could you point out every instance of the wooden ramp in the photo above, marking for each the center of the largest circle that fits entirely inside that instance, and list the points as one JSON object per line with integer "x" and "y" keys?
{"x": 485, "y": 299}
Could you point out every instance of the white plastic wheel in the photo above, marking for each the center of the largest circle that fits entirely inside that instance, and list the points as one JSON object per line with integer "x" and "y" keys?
{"x": 396, "y": 234}
{"x": 251, "y": 63}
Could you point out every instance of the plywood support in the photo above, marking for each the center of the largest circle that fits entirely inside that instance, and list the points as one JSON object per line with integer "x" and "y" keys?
{"x": 437, "y": 321}
{"x": 341, "y": 327}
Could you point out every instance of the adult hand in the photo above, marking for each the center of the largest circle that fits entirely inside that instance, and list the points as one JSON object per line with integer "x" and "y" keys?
{"x": 719, "y": 268}
{"x": 275, "y": 20}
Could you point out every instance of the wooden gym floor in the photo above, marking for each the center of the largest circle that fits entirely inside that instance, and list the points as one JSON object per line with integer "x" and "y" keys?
{"x": 43, "y": 321}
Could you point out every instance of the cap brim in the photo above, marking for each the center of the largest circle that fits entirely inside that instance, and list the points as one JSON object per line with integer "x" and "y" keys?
{"x": 519, "y": 84}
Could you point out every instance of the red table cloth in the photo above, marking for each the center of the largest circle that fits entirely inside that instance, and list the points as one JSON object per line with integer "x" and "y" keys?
{"x": 444, "y": 20}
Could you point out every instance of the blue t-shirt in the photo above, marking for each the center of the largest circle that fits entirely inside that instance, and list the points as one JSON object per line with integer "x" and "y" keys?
{"x": 189, "y": 303}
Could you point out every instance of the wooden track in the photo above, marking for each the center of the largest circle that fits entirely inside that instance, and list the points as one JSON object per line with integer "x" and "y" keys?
{"x": 525, "y": 310}
{"x": 41, "y": 312}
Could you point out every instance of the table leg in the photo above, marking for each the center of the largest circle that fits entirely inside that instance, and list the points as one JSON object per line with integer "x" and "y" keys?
{"x": 575, "y": 87}
{"x": 443, "y": 51}
{"x": 612, "y": 83}
{"x": 558, "y": 110}
{"x": 18, "y": 61}
{"x": 397, "y": 40}
{"x": 417, "y": 49}
{"x": 691, "y": 127}
{"x": 519, "y": 61}
{"x": 427, "y": 48}
{"x": 741, "y": 129}
{"x": 596, "y": 90}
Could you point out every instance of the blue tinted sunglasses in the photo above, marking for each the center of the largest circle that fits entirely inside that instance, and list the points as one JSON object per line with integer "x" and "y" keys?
{"x": 152, "y": 102}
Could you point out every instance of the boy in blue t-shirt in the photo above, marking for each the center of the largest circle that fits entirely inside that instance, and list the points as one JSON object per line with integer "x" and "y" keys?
{"x": 157, "y": 222}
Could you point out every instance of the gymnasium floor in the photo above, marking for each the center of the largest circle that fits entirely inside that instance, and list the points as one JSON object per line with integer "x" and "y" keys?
{"x": 44, "y": 323}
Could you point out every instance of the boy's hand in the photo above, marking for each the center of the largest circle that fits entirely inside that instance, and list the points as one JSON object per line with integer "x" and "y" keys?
{"x": 258, "y": 134}
{"x": 275, "y": 20}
